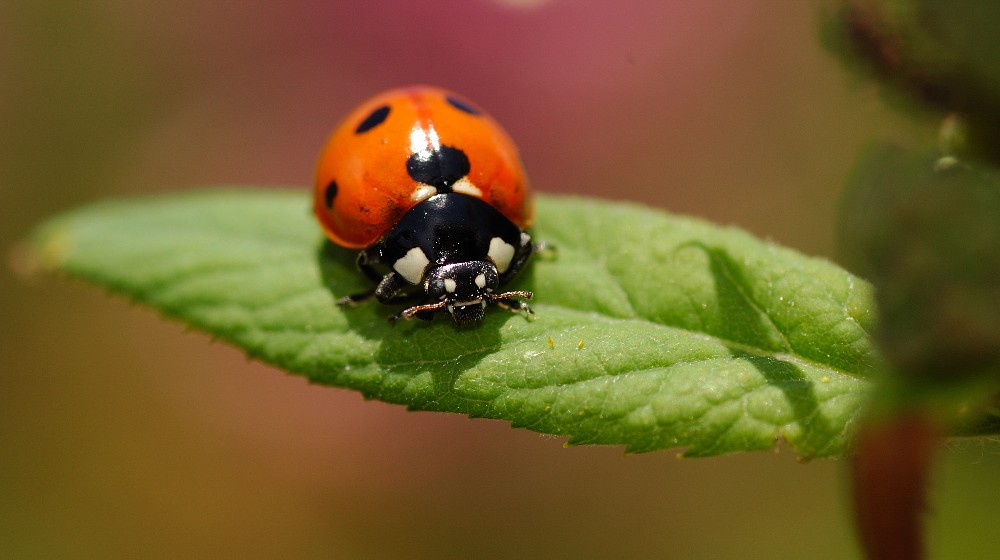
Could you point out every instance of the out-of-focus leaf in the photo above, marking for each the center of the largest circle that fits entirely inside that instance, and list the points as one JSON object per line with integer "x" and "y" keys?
{"x": 942, "y": 54}
{"x": 928, "y": 236}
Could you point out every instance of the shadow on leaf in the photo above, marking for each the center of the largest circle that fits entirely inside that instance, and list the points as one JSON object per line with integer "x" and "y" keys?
{"x": 800, "y": 393}
{"x": 410, "y": 347}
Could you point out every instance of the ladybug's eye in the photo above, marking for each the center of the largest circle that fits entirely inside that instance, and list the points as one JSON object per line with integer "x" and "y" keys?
{"x": 461, "y": 105}
{"x": 330, "y": 193}
{"x": 372, "y": 120}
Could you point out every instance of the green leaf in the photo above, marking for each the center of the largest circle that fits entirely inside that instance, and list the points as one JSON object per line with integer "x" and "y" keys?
{"x": 652, "y": 331}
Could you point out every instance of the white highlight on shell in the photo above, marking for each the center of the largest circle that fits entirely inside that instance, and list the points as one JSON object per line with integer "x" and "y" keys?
{"x": 421, "y": 139}
{"x": 450, "y": 285}
{"x": 501, "y": 254}
{"x": 412, "y": 265}
{"x": 464, "y": 185}
{"x": 481, "y": 281}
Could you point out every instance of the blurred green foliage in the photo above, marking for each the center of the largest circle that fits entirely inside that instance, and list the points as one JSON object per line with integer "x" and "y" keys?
{"x": 941, "y": 55}
{"x": 926, "y": 231}
{"x": 922, "y": 222}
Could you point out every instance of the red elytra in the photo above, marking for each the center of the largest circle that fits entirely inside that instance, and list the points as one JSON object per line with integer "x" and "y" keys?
{"x": 385, "y": 157}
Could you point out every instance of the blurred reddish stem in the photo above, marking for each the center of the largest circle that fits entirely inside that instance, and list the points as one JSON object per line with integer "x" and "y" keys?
{"x": 890, "y": 477}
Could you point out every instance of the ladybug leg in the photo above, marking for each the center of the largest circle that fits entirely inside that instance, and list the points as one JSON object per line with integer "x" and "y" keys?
{"x": 366, "y": 263}
{"x": 386, "y": 292}
{"x": 545, "y": 249}
{"x": 507, "y": 301}
{"x": 354, "y": 300}
{"x": 389, "y": 287}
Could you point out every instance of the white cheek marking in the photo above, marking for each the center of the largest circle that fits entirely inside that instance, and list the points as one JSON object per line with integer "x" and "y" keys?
{"x": 423, "y": 192}
{"x": 501, "y": 253}
{"x": 481, "y": 281}
{"x": 412, "y": 265}
{"x": 450, "y": 285}
{"x": 464, "y": 185}
{"x": 525, "y": 239}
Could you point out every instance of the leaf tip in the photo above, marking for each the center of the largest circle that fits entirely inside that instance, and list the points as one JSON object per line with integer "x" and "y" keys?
{"x": 50, "y": 250}
{"x": 45, "y": 252}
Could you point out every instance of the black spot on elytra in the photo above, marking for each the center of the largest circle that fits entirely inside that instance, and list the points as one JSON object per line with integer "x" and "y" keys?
{"x": 330, "y": 193}
{"x": 440, "y": 168}
{"x": 461, "y": 105}
{"x": 372, "y": 120}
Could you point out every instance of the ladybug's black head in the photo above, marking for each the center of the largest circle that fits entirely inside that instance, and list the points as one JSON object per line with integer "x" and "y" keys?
{"x": 464, "y": 288}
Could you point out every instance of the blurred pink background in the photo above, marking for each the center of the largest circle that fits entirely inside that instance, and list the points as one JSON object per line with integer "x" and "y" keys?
{"x": 124, "y": 436}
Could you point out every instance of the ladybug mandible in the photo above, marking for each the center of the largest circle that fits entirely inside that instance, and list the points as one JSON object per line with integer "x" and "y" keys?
{"x": 432, "y": 191}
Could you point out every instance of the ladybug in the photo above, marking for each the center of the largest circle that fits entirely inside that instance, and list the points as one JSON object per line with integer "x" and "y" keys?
{"x": 432, "y": 191}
